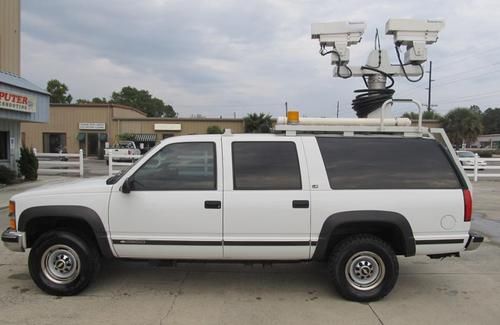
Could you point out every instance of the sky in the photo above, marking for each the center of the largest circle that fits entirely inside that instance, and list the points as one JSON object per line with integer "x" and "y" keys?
{"x": 225, "y": 58}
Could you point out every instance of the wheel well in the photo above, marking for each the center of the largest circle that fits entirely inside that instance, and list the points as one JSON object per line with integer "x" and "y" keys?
{"x": 38, "y": 226}
{"x": 388, "y": 232}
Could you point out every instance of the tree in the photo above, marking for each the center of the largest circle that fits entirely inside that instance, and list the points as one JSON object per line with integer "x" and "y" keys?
{"x": 28, "y": 164}
{"x": 475, "y": 109}
{"x": 142, "y": 100}
{"x": 258, "y": 123}
{"x": 462, "y": 125}
{"x": 214, "y": 129}
{"x": 95, "y": 100}
{"x": 491, "y": 120}
{"x": 58, "y": 92}
{"x": 427, "y": 115}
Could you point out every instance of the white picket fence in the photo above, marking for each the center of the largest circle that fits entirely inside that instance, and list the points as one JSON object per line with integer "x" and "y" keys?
{"x": 59, "y": 163}
{"x": 112, "y": 163}
{"x": 476, "y": 168}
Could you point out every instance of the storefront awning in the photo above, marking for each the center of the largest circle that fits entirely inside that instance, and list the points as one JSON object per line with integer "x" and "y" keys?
{"x": 145, "y": 138}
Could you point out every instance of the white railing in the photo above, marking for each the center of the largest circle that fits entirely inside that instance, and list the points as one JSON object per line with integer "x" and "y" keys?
{"x": 111, "y": 163}
{"x": 479, "y": 166}
{"x": 59, "y": 163}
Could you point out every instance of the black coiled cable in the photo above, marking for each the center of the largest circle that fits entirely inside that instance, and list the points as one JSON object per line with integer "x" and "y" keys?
{"x": 370, "y": 100}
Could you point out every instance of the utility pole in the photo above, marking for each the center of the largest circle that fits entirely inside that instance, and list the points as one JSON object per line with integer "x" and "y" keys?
{"x": 286, "y": 109}
{"x": 430, "y": 87}
{"x": 338, "y": 107}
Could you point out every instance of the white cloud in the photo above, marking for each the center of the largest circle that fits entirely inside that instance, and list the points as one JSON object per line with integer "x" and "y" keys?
{"x": 220, "y": 57}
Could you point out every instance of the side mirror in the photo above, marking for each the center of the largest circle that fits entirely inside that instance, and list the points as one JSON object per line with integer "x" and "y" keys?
{"x": 127, "y": 186}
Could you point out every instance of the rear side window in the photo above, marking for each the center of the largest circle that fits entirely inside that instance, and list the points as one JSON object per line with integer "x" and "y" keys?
{"x": 386, "y": 163}
{"x": 266, "y": 166}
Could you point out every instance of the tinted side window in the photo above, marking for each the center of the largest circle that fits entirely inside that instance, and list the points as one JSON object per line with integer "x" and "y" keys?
{"x": 179, "y": 166}
{"x": 266, "y": 166}
{"x": 386, "y": 163}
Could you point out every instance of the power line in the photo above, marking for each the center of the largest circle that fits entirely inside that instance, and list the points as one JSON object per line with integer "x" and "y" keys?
{"x": 471, "y": 97}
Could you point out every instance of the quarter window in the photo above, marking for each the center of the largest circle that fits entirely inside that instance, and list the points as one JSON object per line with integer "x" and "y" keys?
{"x": 386, "y": 163}
{"x": 178, "y": 166}
{"x": 266, "y": 166}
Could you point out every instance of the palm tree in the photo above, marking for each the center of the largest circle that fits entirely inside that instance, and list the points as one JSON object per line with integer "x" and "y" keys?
{"x": 258, "y": 123}
{"x": 462, "y": 125}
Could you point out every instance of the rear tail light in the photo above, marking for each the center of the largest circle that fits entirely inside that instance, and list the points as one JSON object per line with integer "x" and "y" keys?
{"x": 467, "y": 206}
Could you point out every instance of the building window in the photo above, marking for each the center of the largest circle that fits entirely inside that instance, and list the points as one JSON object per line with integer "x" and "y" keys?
{"x": 4, "y": 145}
{"x": 54, "y": 142}
{"x": 266, "y": 166}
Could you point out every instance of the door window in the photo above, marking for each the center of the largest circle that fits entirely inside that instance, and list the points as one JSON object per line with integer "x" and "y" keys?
{"x": 266, "y": 166}
{"x": 177, "y": 167}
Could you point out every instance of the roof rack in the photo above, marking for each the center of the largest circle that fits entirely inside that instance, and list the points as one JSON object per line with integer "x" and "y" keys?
{"x": 291, "y": 125}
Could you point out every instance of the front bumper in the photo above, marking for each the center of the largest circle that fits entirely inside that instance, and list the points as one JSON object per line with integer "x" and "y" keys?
{"x": 473, "y": 242}
{"x": 14, "y": 240}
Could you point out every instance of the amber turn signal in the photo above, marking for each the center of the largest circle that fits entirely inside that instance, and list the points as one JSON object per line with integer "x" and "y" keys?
{"x": 12, "y": 215}
{"x": 293, "y": 117}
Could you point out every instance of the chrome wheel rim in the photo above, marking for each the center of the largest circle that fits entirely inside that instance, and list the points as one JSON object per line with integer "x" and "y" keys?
{"x": 365, "y": 270}
{"x": 60, "y": 264}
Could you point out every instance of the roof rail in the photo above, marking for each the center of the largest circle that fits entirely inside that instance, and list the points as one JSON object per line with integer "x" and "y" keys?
{"x": 351, "y": 126}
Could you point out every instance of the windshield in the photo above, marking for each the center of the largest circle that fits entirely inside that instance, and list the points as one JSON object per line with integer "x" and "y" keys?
{"x": 466, "y": 154}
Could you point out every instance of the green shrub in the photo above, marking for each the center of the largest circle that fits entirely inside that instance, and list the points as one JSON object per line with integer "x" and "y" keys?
{"x": 28, "y": 164}
{"x": 7, "y": 175}
{"x": 214, "y": 129}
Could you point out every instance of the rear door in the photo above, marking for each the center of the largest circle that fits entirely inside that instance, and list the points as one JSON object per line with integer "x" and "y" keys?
{"x": 266, "y": 198}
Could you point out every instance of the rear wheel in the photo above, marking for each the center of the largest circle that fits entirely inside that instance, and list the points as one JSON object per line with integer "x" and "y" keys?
{"x": 62, "y": 263}
{"x": 363, "y": 268}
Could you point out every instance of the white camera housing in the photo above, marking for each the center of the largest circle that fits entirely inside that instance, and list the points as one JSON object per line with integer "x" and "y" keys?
{"x": 338, "y": 35}
{"x": 415, "y": 34}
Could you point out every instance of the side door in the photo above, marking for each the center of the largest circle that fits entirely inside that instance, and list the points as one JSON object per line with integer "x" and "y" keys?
{"x": 266, "y": 198}
{"x": 174, "y": 206}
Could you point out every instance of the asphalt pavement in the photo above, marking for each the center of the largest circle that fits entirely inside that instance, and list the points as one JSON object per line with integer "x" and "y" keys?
{"x": 463, "y": 290}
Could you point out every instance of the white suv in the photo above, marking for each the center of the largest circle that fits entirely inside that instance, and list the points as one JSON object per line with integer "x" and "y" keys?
{"x": 353, "y": 201}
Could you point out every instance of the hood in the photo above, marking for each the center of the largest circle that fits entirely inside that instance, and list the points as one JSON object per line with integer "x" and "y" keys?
{"x": 89, "y": 185}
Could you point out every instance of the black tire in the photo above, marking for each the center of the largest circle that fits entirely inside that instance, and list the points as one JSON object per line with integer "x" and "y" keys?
{"x": 62, "y": 263}
{"x": 363, "y": 268}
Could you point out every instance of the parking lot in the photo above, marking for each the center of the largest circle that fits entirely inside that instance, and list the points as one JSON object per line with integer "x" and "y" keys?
{"x": 454, "y": 290}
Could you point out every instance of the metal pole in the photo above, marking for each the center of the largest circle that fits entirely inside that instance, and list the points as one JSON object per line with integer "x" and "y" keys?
{"x": 338, "y": 103}
{"x": 286, "y": 109}
{"x": 430, "y": 88}
{"x": 81, "y": 163}
{"x": 475, "y": 167}
{"x": 110, "y": 163}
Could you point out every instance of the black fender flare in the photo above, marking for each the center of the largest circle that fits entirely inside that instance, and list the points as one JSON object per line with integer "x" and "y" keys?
{"x": 77, "y": 212}
{"x": 369, "y": 216}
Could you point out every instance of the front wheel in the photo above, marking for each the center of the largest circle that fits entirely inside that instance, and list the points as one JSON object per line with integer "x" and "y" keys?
{"x": 62, "y": 263}
{"x": 363, "y": 268}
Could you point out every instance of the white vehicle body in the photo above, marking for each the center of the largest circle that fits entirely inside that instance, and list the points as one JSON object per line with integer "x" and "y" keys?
{"x": 121, "y": 150}
{"x": 468, "y": 160}
{"x": 260, "y": 216}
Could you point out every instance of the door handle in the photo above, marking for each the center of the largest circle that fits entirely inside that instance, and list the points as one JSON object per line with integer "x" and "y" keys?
{"x": 300, "y": 204}
{"x": 213, "y": 204}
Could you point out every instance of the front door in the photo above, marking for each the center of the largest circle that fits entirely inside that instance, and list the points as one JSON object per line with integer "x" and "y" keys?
{"x": 266, "y": 199}
{"x": 174, "y": 208}
{"x": 92, "y": 144}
